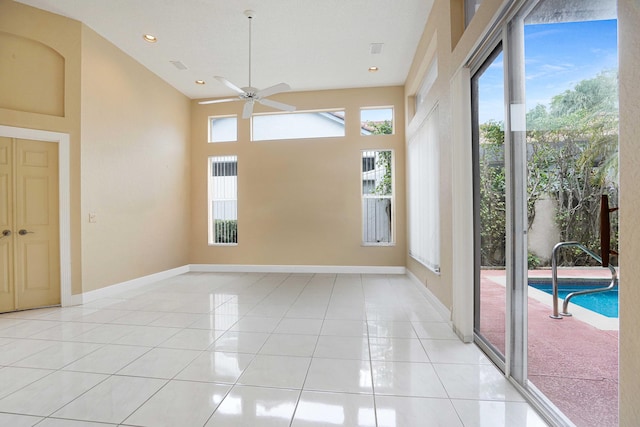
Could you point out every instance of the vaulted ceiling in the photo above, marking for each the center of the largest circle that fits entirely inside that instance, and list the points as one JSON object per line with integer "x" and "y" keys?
{"x": 309, "y": 44}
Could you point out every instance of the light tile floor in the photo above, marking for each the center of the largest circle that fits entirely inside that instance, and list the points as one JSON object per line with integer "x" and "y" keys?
{"x": 225, "y": 349}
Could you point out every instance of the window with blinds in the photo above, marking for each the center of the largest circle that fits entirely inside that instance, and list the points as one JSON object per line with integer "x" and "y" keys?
{"x": 424, "y": 200}
{"x": 223, "y": 200}
{"x": 377, "y": 197}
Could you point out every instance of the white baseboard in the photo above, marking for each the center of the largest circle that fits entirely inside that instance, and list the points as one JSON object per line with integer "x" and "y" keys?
{"x": 111, "y": 290}
{"x": 331, "y": 269}
{"x": 440, "y": 308}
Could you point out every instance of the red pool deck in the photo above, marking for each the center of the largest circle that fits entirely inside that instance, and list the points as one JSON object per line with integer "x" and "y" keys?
{"x": 572, "y": 362}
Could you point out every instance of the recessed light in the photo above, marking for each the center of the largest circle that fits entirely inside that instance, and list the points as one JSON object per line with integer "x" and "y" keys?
{"x": 149, "y": 38}
{"x": 373, "y": 69}
{"x": 200, "y": 82}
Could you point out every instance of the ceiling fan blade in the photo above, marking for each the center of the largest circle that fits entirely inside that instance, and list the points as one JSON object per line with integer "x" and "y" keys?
{"x": 217, "y": 101}
{"x": 277, "y": 105}
{"x": 247, "y": 110}
{"x": 228, "y": 84}
{"x": 272, "y": 90}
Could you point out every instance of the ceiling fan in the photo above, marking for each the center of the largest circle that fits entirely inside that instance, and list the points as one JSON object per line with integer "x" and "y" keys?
{"x": 250, "y": 95}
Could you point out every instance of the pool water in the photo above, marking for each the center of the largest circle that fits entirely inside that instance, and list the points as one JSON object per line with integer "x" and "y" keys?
{"x": 605, "y": 303}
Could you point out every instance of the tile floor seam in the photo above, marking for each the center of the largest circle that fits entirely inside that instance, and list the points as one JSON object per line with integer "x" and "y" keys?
{"x": 143, "y": 403}
{"x": 373, "y": 382}
{"x": 26, "y": 385}
{"x": 81, "y": 394}
{"x": 217, "y": 406}
{"x": 235, "y": 383}
{"x": 293, "y": 415}
{"x": 64, "y": 366}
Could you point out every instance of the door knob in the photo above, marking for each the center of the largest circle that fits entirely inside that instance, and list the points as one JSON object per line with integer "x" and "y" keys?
{"x": 23, "y": 232}
{"x": 5, "y": 233}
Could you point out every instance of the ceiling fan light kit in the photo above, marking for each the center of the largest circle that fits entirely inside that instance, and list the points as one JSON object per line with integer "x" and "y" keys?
{"x": 249, "y": 94}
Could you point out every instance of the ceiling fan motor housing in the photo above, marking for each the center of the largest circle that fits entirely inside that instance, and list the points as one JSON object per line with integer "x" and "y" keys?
{"x": 249, "y": 92}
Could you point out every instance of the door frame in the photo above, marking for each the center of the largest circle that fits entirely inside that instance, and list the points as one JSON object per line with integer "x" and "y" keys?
{"x": 63, "y": 141}
{"x": 500, "y": 360}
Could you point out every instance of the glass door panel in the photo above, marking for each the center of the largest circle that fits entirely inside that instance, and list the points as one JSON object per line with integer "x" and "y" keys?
{"x": 570, "y": 57}
{"x": 490, "y": 205}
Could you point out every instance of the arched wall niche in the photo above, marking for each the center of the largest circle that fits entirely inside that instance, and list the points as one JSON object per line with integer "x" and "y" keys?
{"x": 31, "y": 76}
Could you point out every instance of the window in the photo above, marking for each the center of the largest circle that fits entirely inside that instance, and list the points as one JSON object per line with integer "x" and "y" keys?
{"x": 427, "y": 83}
{"x": 223, "y": 200}
{"x": 470, "y": 8}
{"x": 223, "y": 129}
{"x": 300, "y": 125}
{"x": 376, "y": 121}
{"x": 377, "y": 197}
{"x": 424, "y": 207}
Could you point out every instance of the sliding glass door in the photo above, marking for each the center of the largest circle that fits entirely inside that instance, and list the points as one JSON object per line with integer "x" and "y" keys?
{"x": 541, "y": 166}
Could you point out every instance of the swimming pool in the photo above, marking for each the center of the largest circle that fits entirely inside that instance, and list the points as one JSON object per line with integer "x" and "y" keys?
{"x": 605, "y": 303}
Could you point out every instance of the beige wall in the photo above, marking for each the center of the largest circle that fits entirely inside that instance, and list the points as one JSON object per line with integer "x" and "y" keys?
{"x": 436, "y": 42}
{"x": 33, "y": 32}
{"x": 129, "y": 143}
{"x": 629, "y": 33}
{"x": 451, "y": 59}
{"x": 135, "y": 168}
{"x": 299, "y": 200}
{"x": 442, "y": 38}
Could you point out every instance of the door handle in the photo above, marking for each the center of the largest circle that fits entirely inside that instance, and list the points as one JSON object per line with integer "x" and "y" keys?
{"x": 23, "y": 232}
{"x": 5, "y": 233}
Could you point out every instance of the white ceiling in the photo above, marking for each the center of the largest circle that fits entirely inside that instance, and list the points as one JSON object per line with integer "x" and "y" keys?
{"x": 309, "y": 44}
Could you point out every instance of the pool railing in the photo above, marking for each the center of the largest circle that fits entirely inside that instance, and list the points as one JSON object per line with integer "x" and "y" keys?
{"x": 554, "y": 278}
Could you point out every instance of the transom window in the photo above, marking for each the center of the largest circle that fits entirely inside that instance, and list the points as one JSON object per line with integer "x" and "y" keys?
{"x": 223, "y": 129}
{"x": 298, "y": 125}
{"x": 376, "y": 121}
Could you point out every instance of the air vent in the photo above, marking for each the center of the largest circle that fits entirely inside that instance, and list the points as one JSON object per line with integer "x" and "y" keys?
{"x": 375, "y": 48}
{"x": 179, "y": 65}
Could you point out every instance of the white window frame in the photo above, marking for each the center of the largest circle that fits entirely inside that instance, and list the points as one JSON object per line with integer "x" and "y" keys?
{"x": 327, "y": 112}
{"x": 391, "y": 197}
{"x": 210, "y": 136}
{"x": 212, "y": 198}
{"x": 383, "y": 107}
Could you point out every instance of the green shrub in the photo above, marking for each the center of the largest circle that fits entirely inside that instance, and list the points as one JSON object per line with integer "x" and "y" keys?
{"x": 532, "y": 261}
{"x": 226, "y": 231}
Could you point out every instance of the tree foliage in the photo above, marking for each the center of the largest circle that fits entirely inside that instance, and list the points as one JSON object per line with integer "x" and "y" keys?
{"x": 577, "y": 139}
{"x": 384, "y": 127}
{"x": 572, "y": 157}
{"x": 492, "y": 195}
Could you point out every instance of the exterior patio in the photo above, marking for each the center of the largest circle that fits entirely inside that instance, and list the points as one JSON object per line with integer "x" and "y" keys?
{"x": 573, "y": 361}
